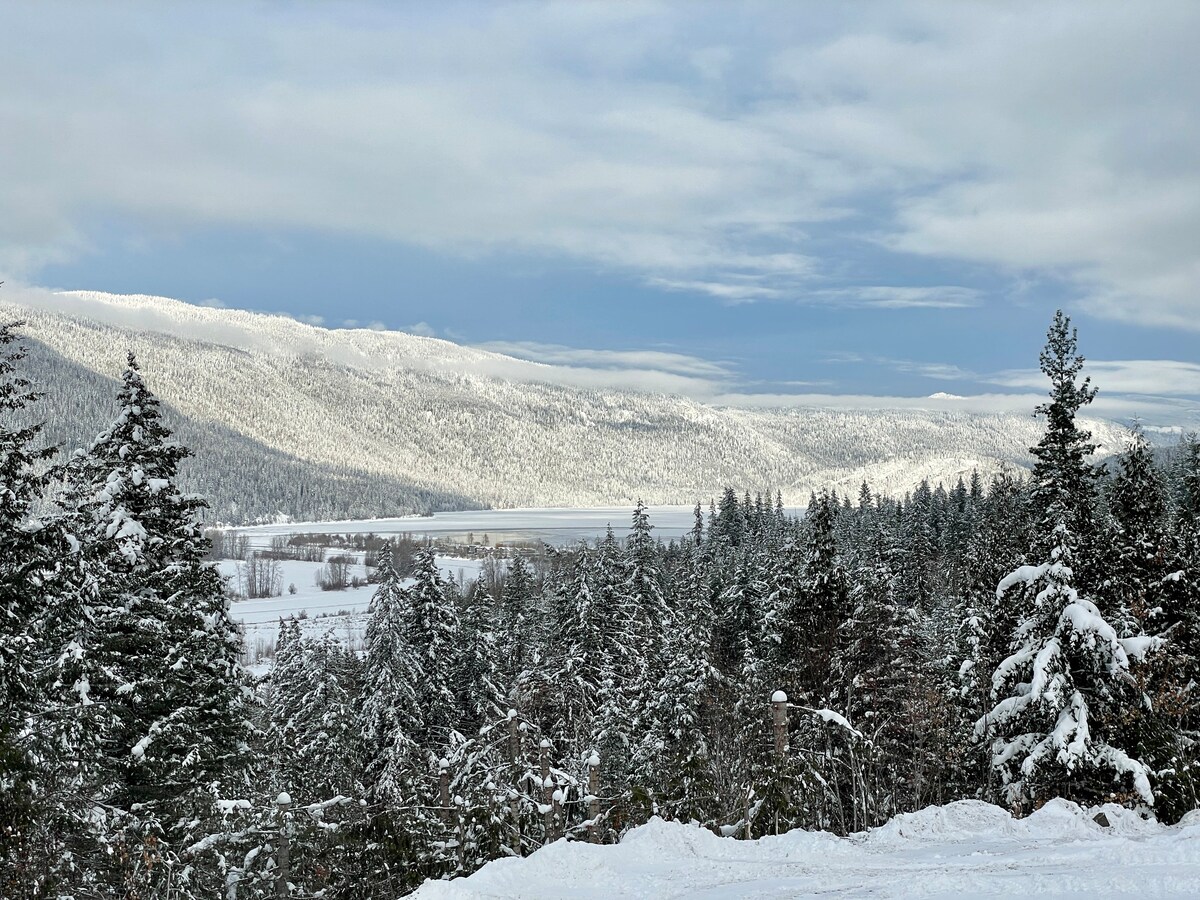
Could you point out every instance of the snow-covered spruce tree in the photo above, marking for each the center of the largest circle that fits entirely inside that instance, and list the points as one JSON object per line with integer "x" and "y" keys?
{"x": 824, "y": 598}
{"x": 619, "y": 669}
{"x": 164, "y": 663}
{"x": 326, "y": 738}
{"x": 284, "y": 687}
{"x": 574, "y": 657}
{"x": 477, "y": 679}
{"x": 997, "y": 545}
{"x": 674, "y": 757}
{"x": 788, "y": 620}
{"x": 1169, "y": 727}
{"x": 1057, "y": 728}
{"x": 1139, "y": 557}
{"x": 433, "y": 633}
{"x": 876, "y": 681}
{"x": 25, "y": 557}
{"x": 395, "y": 765}
{"x": 515, "y": 625}
{"x": 916, "y": 561}
{"x": 652, "y": 618}
{"x": 390, "y": 715}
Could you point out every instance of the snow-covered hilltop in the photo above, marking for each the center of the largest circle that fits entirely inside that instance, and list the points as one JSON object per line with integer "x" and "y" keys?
{"x": 411, "y": 422}
{"x": 964, "y": 849}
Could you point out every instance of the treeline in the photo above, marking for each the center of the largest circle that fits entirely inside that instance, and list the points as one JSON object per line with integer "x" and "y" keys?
{"x": 1013, "y": 641}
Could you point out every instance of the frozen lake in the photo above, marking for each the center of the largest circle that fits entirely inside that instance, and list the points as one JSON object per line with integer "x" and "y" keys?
{"x": 552, "y": 526}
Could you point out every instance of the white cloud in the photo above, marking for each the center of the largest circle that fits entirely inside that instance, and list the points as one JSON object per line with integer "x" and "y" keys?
{"x": 422, "y": 328}
{"x": 651, "y": 138}
{"x": 1159, "y": 377}
{"x": 556, "y": 354}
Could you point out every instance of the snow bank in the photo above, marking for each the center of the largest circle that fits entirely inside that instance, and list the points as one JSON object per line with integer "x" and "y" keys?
{"x": 963, "y": 820}
{"x": 963, "y": 849}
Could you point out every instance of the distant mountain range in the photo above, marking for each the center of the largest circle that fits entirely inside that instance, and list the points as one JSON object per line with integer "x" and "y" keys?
{"x": 294, "y": 420}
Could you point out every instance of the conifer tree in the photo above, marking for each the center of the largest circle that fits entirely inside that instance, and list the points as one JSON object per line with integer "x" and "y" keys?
{"x": 515, "y": 638}
{"x": 675, "y": 758}
{"x": 575, "y": 654}
{"x": 25, "y": 635}
{"x": 160, "y": 660}
{"x": 1064, "y": 688}
{"x": 391, "y": 717}
{"x": 433, "y": 635}
{"x": 326, "y": 744}
{"x": 477, "y": 679}
{"x": 1139, "y": 553}
{"x": 284, "y": 687}
{"x": 824, "y": 596}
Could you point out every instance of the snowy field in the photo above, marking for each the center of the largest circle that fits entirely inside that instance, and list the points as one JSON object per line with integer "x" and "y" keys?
{"x": 553, "y": 526}
{"x": 965, "y": 849}
{"x": 309, "y": 597}
{"x": 342, "y": 612}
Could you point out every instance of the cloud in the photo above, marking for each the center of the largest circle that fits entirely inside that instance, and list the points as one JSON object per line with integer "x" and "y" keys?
{"x": 1157, "y": 377}
{"x": 937, "y": 370}
{"x": 422, "y": 328}
{"x": 731, "y": 152}
{"x": 904, "y": 297}
{"x": 556, "y": 354}
{"x": 731, "y": 292}
{"x": 1124, "y": 408}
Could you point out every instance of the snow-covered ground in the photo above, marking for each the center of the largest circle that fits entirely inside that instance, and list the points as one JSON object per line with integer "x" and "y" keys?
{"x": 965, "y": 849}
{"x": 342, "y": 612}
{"x": 311, "y": 599}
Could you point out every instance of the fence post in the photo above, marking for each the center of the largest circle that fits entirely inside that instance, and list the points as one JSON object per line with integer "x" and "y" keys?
{"x": 459, "y": 803}
{"x": 547, "y": 787}
{"x": 779, "y": 718}
{"x": 283, "y": 861}
{"x": 514, "y": 756}
{"x": 444, "y": 787}
{"x": 593, "y": 764}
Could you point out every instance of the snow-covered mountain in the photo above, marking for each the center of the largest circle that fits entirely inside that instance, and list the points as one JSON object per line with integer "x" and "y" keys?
{"x": 312, "y": 422}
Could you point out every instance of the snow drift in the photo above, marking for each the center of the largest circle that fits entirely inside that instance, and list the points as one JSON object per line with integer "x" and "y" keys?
{"x": 963, "y": 849}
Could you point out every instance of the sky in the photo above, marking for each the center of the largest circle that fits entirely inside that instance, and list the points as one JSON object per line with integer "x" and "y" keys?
{"x": 785, "y": 202}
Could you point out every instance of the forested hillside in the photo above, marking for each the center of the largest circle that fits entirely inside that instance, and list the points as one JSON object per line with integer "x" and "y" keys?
{"x": 1006, "y": 639}
{"x": 390, "y": 423}
{"x": 245, "y": 479}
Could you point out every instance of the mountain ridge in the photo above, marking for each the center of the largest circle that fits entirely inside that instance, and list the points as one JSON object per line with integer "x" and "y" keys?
{"x": 453, "y": 424}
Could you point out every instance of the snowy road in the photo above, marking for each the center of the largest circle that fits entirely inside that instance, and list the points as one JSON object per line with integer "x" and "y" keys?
{"x": 965, "y": 849}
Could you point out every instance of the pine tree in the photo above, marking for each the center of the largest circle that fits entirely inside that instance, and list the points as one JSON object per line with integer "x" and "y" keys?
{"x": 433, "y": 635}
{"x": 1065, "y": 685}
{"x": 25, "y": 562}
{"x": 156, "y": 650}
{"x": 675, "y": 758}
{"x": 824, "y": 596}
{"x": 650, "y": 614}
{"x": 575, "y": 655}
{"x": 391, "y": 716}
{"x": 515, "y": 638}
{"x": 326, "y": 744}
{"x": 285, "y": 686}
{"x": 477, "y": 679}
{"x": 1139, "y": 557}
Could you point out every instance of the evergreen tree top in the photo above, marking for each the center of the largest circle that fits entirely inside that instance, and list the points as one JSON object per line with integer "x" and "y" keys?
{"x": 1063, "y": 479}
